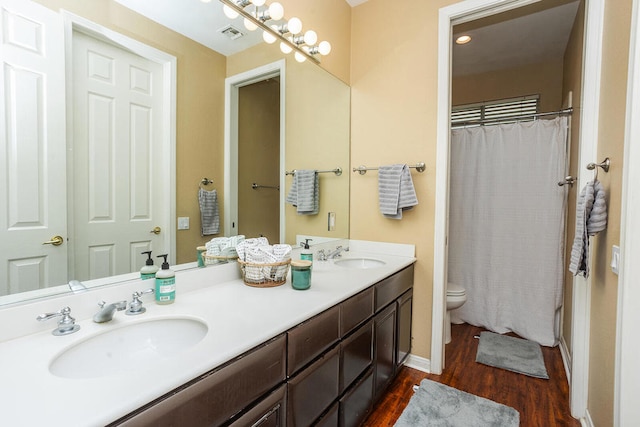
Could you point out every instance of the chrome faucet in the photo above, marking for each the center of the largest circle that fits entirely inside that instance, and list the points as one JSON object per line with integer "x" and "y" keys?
{"x": 108, "y": 310}
{"x": 66, "y": 325}
{"x": 337, "y": 252}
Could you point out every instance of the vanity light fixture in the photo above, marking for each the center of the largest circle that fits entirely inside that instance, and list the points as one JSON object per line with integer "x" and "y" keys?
{"x": 256, "y": 14}
{"x": 463, "y": 39}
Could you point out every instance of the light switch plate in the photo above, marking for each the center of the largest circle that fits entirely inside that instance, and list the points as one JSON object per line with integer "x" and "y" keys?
{"x": 331, "y": 220}
{"x": 183, "y": 223}
{"x": 615, "y": 259}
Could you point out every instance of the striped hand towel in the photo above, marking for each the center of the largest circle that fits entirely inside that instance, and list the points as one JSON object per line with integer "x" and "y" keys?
{"x": 209, "y": 214}
{"x": 591, "y": 218}
{"x": 305, "y": 192}
{"x": 395, "y": 190}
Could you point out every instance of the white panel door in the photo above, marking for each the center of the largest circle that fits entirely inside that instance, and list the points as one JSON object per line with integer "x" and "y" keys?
{"x": 117, "y": 119}
{"x": 32, "y": 148}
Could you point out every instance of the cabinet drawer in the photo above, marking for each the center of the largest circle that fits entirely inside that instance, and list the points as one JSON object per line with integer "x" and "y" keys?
{"x": 356, "y": 403}
{"x": 355, "y": 310}
{"x": 393, "y": 286}
{"x": 313, "y": 390}
{"x": 216, "y": 397}
{"x": 330, "y": 418}
{"x": 309, "y": 339}
{"x": 356, "y": 354}
{"x": 269, "y": 412}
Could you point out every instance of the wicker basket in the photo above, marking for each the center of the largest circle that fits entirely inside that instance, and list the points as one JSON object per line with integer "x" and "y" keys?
{"x": 218, "y": 259}
{"x": 266, "y": 275}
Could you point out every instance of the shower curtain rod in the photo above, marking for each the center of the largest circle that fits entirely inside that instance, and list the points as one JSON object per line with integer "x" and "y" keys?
{"x": 566, "y": 111}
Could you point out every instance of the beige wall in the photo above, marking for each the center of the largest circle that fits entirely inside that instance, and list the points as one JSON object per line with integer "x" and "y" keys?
{"x": 572, "y": 82}
{"x": 394, "y": 103}
{"x": 200, "y": 106}
{"x": 544, "y": 79}
{"x": 615, "y": 57}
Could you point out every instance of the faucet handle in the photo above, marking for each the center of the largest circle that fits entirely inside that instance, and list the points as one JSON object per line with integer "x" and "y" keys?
{"x": 66, "y": 325}
{"x": 322, "y": 256}
{"x": 135, "y": 307}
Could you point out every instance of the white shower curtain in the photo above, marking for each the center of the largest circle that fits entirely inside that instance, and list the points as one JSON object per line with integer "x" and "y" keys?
{"x": 506, "y": 225}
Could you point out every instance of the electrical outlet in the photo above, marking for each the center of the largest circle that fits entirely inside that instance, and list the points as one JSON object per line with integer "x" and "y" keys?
{"x": 183, "y": 223}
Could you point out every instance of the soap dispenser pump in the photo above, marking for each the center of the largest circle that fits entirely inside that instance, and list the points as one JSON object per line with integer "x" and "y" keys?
{"x": 148, "y": 271}
{"x": 165, "y": 283}
{"x": 306, "y": 253}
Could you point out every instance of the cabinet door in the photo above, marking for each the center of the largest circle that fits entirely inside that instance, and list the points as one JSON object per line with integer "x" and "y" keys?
{"x": 218, "y": 396}
{"x": 356, "y": 354}
{"x": 313, "y": 390}
{"x": 384, "y": 349}
{"x": 405, "y": 305}
{"x": 330, "y": 418}
{"x": 269, "y": 412}
{"x": 309, "y": 339}
{"x": 356, "y": 403}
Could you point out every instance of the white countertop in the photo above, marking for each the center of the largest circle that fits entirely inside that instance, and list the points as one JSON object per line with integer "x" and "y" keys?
{"x": 238, "y": 317}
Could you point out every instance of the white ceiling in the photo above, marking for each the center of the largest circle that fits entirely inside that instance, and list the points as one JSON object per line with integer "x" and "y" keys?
{"x": 522, "y": 40}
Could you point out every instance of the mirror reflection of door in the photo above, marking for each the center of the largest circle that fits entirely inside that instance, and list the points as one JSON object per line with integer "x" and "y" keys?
{"x": 259, "y": 159}
{"x": 117, "y": 110}
{"x": 32, "y": 148}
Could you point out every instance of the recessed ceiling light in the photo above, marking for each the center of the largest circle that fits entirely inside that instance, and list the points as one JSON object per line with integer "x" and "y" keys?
{"x": 463, "y": 39}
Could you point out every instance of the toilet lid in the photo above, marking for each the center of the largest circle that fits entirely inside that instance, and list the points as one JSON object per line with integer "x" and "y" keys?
{"x": 454, "y": 289}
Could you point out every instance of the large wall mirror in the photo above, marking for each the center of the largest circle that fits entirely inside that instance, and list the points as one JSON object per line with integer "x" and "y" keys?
{"x": 314, "y": 131}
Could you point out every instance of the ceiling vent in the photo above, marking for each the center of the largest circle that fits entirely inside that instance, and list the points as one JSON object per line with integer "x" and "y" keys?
{"x": 232, "y": 32}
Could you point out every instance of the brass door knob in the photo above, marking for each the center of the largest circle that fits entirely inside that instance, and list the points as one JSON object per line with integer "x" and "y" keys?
{"x": 55, "y": 241}
{"x": 156, "y": 230}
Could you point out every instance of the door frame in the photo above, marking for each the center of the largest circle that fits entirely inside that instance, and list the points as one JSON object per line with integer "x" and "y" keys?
{"x": 591, "y": 69}
{"x": 627, "y": 371}
{"x": 232, "y": 86}
{"x": 73, "y": 22}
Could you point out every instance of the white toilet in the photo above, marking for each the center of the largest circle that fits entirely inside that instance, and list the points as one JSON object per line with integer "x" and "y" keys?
{"x": 456, "y": 296}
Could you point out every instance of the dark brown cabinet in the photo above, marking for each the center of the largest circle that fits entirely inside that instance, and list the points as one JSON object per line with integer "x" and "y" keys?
{"x": 326, "y": 371}
{"x": 216, "y": 397}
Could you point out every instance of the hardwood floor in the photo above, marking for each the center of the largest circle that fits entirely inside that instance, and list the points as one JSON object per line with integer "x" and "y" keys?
{"x": 543, "y": 403}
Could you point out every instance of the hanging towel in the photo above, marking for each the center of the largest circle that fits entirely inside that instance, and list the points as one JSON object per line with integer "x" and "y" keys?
{"x": 209, "y": 214}
{"x": 395, "y": 190}
{"x": 591, "y": 218}
{"x": 305, "y": 192}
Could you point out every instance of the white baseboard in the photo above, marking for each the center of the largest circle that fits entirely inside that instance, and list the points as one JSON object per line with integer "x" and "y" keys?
{"x": 419, "y": 363}
{"x": 587, "y": 421}
{"x": 566, "y": 358}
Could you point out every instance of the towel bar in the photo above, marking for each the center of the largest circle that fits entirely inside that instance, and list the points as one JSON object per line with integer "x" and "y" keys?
{"x": 603, "y": 164}
{"x": 337, "y": 171}
{"x": 420, "y": 167}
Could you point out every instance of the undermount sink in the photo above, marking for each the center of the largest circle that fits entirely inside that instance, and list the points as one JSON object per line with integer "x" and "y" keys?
{"x": 128, "y": 348}
{"x": 359, "y": 262}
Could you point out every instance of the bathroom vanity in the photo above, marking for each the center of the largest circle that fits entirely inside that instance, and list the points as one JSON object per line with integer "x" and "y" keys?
{"x": 270, "y": 357}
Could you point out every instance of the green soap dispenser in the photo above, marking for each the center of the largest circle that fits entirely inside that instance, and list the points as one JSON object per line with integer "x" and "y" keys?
{"x": 306, "y": 253}
{"x": 165, "y": 283}
{"x": 149, "y": 270}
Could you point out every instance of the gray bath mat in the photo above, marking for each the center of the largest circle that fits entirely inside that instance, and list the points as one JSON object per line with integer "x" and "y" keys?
{"x": 513, "y": 354}
{"x": 435, "y": 404}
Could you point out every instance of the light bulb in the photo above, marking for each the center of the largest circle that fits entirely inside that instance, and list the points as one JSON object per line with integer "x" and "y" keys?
{"x": 310, "y": 37}
{"x": 230, "y": 13}
{"x": 294, "y": 25}
{"x": 276, "y": 11}
{"x": 324, "y": 48}
{"x": 249, "y": 25}
{"x": 300, "y": 57}
{"x": 285, "y": 48}
{"x": 258, "y": 2}
{"x": 268, "y": 37}
{"x": 205, "y": 1}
